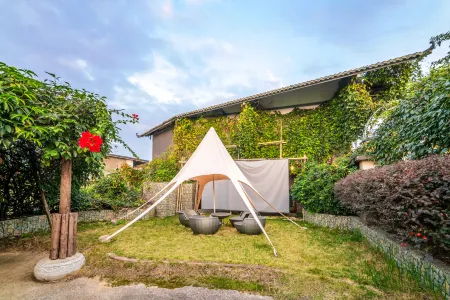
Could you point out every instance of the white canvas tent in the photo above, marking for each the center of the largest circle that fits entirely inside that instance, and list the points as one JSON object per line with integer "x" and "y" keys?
{"x": 210, "y": 161}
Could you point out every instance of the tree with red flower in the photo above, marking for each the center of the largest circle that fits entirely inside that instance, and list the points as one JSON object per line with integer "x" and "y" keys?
{"x": 51, "y": 115}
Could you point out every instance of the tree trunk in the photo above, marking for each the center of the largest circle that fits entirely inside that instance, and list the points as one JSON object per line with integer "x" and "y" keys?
{"x": 66, "y": 186}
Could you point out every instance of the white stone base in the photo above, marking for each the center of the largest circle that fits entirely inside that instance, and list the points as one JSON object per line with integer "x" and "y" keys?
{"x": 48, "y": 270}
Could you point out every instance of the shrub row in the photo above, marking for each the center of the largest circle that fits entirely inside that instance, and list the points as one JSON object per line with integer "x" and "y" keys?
{"x": 410, "y": 199}
{"x": 313, "y": 187}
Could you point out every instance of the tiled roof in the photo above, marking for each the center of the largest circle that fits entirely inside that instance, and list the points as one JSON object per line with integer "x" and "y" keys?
{"x": 126, "y": 157}
{"x": 336, "y": 76}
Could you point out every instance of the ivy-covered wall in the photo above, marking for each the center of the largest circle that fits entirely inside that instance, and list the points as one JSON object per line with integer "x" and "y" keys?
{"x": 319, "y": 133}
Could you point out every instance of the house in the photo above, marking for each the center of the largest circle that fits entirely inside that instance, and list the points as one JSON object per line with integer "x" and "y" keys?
{"x": 113, "y": 162}
{"x": 306, "y": 95}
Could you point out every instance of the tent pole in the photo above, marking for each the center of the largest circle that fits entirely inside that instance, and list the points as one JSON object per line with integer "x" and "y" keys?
{"x": 201, "y": 187}
{"x": 176, "y": 184}
{"x": 238, "y": 185}
{"x": 273, "y": 207}
{"x": 130, "y": 213}
{"x": 214, "y": 194}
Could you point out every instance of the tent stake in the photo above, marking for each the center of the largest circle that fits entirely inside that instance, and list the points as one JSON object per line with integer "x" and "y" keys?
{"x": 132, "y": 212}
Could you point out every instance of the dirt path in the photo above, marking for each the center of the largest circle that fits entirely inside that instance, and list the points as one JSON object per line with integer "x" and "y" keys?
{"x": 17, "y": 282}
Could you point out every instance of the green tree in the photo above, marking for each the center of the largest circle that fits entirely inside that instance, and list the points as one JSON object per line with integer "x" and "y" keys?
{"x": 419, "y": 125}
{"x": 52, "y": 115}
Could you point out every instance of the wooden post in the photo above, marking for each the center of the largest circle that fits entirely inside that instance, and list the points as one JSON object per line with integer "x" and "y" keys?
{"x": 56, "y": 226}
{"x": 66, "y": 186}
{"x": 64, "y": 236}
{"x": 71, "y": 237}
{"x": 75, "y": 230}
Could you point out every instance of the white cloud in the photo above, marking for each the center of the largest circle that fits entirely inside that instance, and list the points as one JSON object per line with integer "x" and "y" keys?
{"x": 167, "y": 8}
{"x": 211, "y": 72}
{"x": 166, "y": 85}
{"x": 164, "y": 82}
{"x": 130, "y": 99}
{"x": 78, "y": 64}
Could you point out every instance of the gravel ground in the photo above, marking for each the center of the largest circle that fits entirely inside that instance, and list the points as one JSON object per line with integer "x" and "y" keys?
{"x": 16, "y": 272}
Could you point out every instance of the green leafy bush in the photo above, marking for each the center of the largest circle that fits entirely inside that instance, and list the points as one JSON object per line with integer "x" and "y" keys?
{"x": 313, "y": 187}
{"x": 123, "y": 188}
{"x": 410, "y": 199}
{"x": 112, "y": 191}
{"x": 161, "y": 169}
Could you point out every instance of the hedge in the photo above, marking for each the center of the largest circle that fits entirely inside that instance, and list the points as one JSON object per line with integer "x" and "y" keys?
{"x": 410, "y": 199}
{"x": 313, "y": 187}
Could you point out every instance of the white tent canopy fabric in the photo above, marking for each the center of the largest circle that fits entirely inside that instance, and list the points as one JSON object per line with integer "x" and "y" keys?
{"x": 210, "y": 161}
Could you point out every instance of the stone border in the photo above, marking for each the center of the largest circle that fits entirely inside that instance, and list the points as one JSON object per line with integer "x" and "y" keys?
{"x": 18, "y": 227}
{"x": 184, "y": 197}
{"x": 413, "y": 261}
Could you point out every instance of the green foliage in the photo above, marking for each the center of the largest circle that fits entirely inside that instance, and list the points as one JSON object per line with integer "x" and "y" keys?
{"x": 437, "y": 41}
{"x": 320, "y": 133}
{"x": 246, "y": 134}
{"x": 119, "y": 189}
{"x": 161, "y": 169}
{"x": 188, "y": 133}
{"x": 313, "y": 187}
{"x": 51, "y": 115}
{"x": 419, "y": 125}
{"x": 18, "y": 189}
{"x": 391, "y": 83}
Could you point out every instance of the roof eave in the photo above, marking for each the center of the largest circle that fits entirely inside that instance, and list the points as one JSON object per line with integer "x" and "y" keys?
{"x": 321, "y": 80}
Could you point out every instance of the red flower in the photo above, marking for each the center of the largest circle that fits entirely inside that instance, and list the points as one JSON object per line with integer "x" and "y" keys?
{"x": 418, "y": 234}
{"x": 135, "y": 116}
{"x": 90, "y": 141}
{"x": 403, "y": 245}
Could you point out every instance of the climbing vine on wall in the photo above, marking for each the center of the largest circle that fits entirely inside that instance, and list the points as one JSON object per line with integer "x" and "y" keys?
{"x": 321, "y": 134}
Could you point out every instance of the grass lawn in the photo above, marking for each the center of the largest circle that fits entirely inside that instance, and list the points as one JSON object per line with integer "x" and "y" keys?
{"x": 316, "y": 263}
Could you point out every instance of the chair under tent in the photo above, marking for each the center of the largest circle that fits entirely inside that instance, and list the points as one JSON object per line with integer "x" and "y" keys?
{"x": 210, "y": 162}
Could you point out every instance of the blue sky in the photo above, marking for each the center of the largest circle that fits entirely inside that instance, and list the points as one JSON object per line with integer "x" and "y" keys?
{"x": 158, "y": 58}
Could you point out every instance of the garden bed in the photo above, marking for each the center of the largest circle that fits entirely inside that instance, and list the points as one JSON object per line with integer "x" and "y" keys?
{"x": 316, "y": 263}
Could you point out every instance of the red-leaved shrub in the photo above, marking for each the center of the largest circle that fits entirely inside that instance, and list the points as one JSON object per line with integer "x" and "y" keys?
{"x": 410, "y": 199}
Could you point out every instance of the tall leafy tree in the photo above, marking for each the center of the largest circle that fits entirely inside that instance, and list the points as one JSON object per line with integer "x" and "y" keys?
{"x": 52, "y": 115}
{"x": 419, "y": 124}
